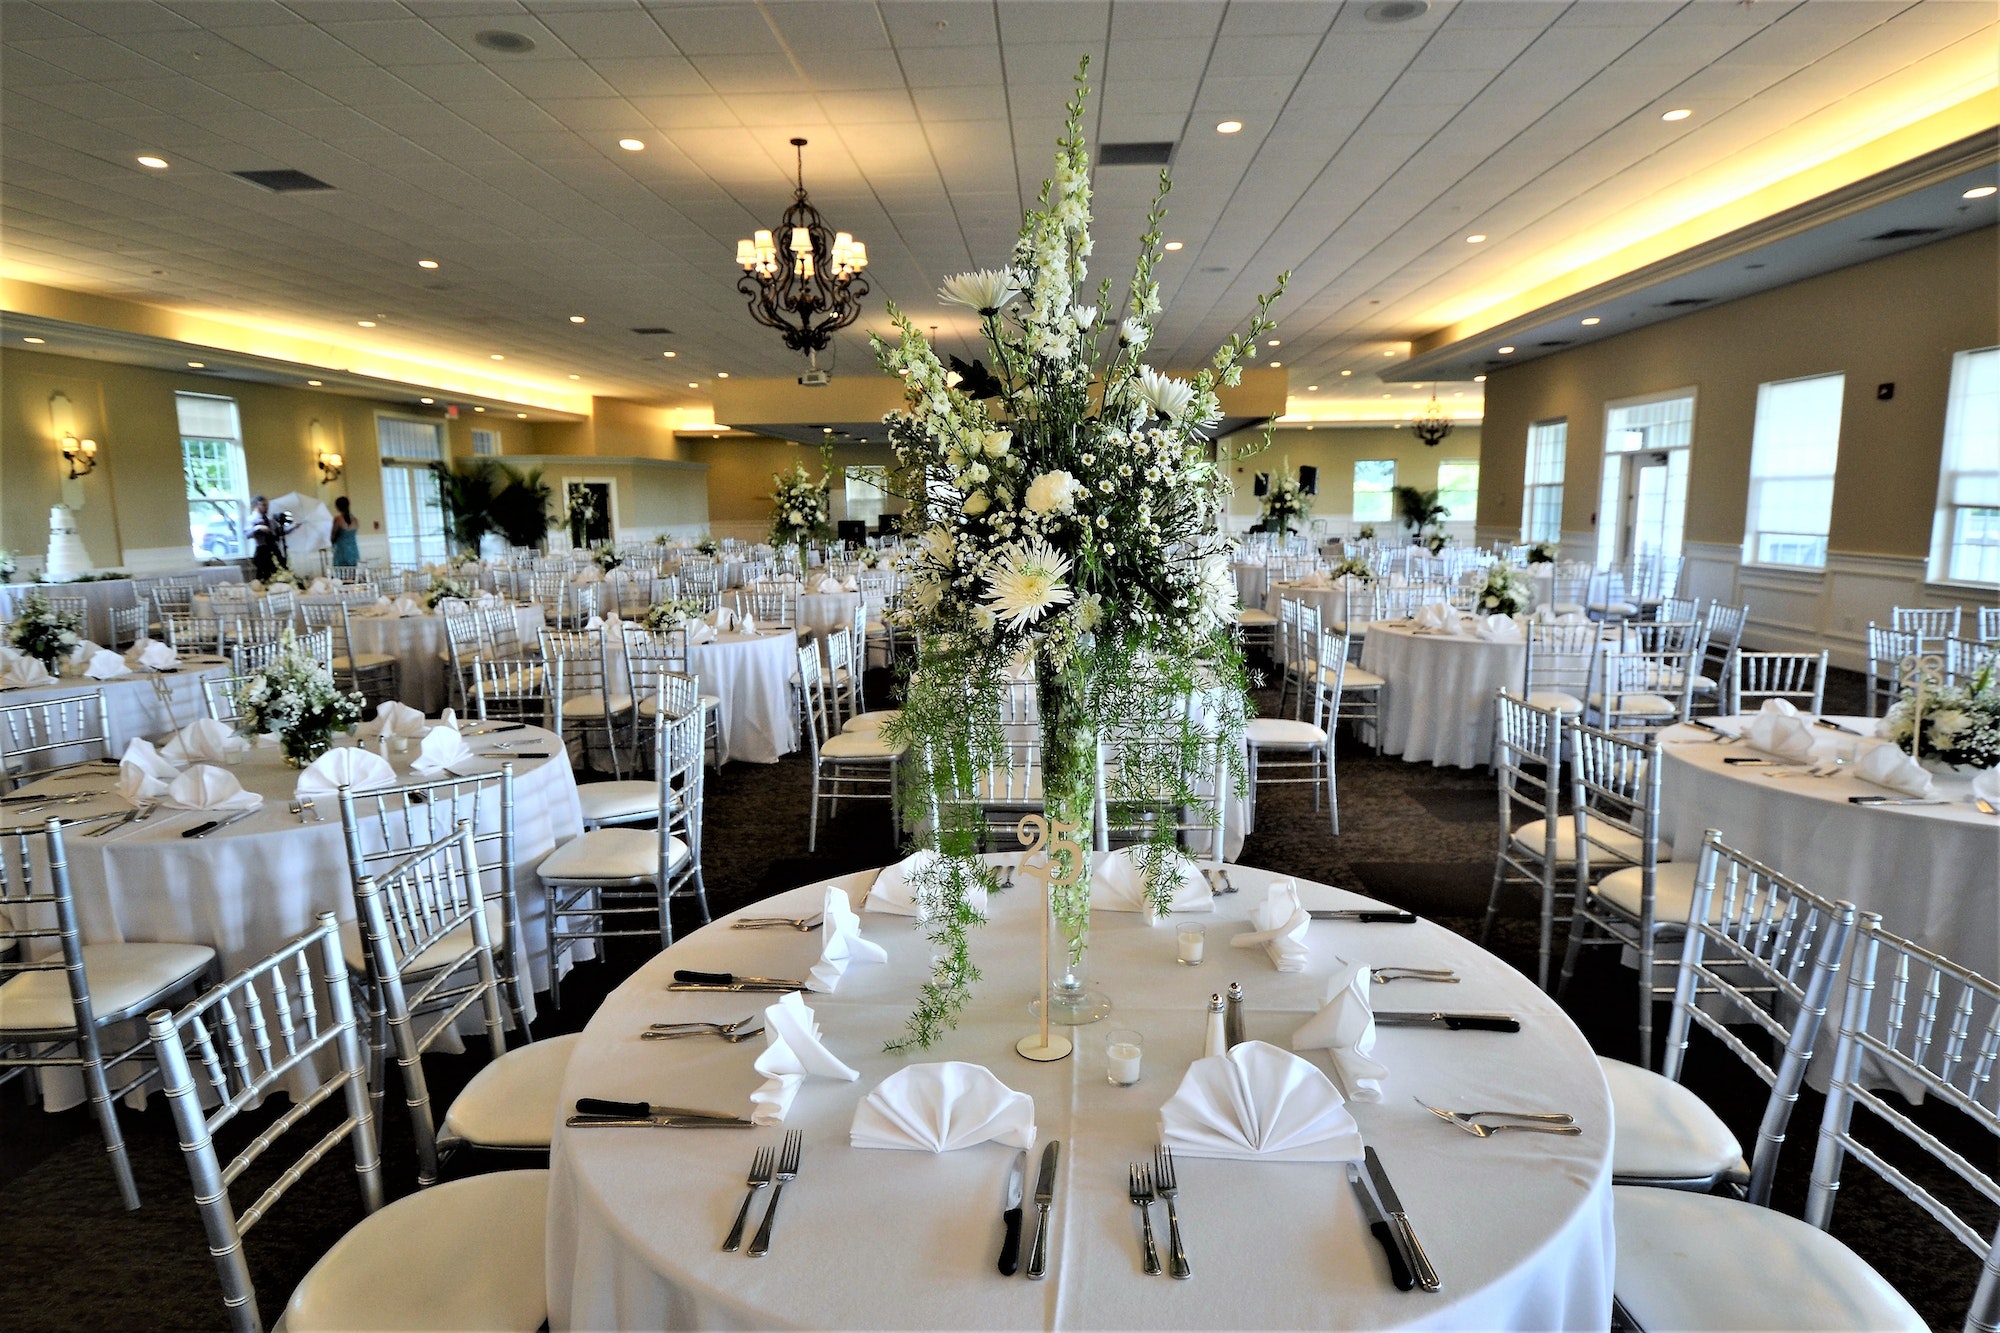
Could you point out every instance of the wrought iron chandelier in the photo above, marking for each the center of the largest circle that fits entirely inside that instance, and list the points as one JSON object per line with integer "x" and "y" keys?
{"x": 1432, "y": 425}
{"x": 802, "y": 278}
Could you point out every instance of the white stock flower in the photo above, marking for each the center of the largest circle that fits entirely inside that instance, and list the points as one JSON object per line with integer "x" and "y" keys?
{"x": 1026, "y": 583}
{"x": 977, "y": 503}
{"x": 796, "y": 517}
{"x": 984, "y": 290}
{"x": 1166, "y": 396}
{"x": 1052, "y": 493}
{"x": 1949, "y": 722}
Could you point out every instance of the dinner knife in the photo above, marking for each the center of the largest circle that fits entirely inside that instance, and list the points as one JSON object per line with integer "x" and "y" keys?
{"x": 1045, "y": 1194}
{"x": 1394, "y": 1018}
{"x": 1017, "y": 1180}
{"x": 599, "y": 1106}
{"x": 203, "y": 830}
{"x": 653, "y": 1122}
{"x": 1381, "y": 918}
{"x": 1831, "y": 725}
{"x": 1392, "y": 1203}
{"x": 1378, "y": 1227}
{"x": 1892, "y": 800}
{"x": 688, "y": 977}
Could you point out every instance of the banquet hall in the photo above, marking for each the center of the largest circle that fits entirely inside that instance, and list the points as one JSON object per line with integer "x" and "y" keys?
{"x": 1277, "y": 590}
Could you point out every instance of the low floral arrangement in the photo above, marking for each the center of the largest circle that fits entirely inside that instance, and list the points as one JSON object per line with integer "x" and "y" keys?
{"x": 1285, "y": 502}
{"x": 1353, "y": 568}
{"x": 1435, "y": 543}
{"x": 285, "y": 574}
{"x": 44, "y": 633}
{"x": 605, "y": 558}
{"x": 295, "y": 697}
{"x": 801, "y": 507}
{"x": 1505, "y": 592}
{"x": 709, "y": 546}
{"x": 670, "y": 614}
{"x": 7, "y": 565}
{"x": 868, "y": 559}
{"x": 1365, "y": 535}
{"x": 1542, "y": 553}
{"x": 443, "y": 587}
{"x": 1960, "y": 723}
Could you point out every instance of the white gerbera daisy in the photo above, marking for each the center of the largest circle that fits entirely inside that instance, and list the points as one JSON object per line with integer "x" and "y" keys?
{"x": 985, "y": 290}
{"x": 1027, "y": 583}
{"x": 1166, "y": 396}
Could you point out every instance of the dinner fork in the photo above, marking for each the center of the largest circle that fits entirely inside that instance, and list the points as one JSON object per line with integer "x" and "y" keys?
{"x": 1142, "y": 1198}
{"x": 798, "y": 923}
{"x": 760, "y": 1176}
{"x": 788, "y": 1170}
{"x": 1479, "y": 1131}
{"x": 1383, "y": 975}
{"x": 700, "y": 1025}
{"x": 1552, "y": 1117}
{"x": 1168, "y": 1187}
{"x": 725, "y": 1034}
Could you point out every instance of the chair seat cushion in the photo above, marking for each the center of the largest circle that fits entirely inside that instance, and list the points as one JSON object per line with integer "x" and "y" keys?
{"x": 1639, "y": 705}
{"x": 1703, "y": 685}
{"x": 439, "y": 954}
{"x": 1696, "y": 1261}
{"x": 1252, "y": 616}
{"x": 1559, "y": 701}
{"x": 1282, "y": 731}
{"x": 1567, "y": 608}
{"x": 1614, "y": 608}
{"x": 1673, "y": 891}
{"x": 874, "y": 721}
{"x": 1359, "y": 678}
{"x": 604, "y": 802}
{"x": 514, "y": 1101}
{"x": 592, "y": 705}
{"x": 1624, "y": 846}
{"x": 465, "y": 1254}
{"x": 1665, "y": 1132}
{"x": 609, "y": 854}
{"x": 865, "y": 744}
{"x": 122, "y": 977}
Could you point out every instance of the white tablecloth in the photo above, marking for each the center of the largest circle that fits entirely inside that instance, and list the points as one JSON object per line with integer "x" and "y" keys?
{"x": 1518, "y": 1226}
{"x": 416, "y": 641}
{"x": 1252, "y": 581}
{"x": 1437, "y": 705}
{"x": 101, "y": 595}
{"x": 144, "y": 703}
{"x": 752, "y": 675}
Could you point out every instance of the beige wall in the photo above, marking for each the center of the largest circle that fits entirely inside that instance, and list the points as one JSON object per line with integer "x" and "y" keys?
{"x": 1894, "y": 320}
{"x": 1334, "y": 450}
{"x": 650, "y": 497}
{"x": 740, "y": 473}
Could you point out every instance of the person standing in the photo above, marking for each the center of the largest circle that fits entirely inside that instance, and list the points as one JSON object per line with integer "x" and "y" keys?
{"x": 263, "y": 536}
{"x": 346, "y": 539}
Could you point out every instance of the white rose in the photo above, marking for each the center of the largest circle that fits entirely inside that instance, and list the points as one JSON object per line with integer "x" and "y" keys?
{"x": 977, "y": 503}
{"x": 797, "y": 518}
{"x": 1051, "y": 493}
{"x": 997, "y": 442}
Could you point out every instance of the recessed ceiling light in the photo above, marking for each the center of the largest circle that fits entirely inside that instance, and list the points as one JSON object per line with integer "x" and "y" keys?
{"x": 722, "y": 374}
{"x": 1388, "y": 395}
{"x": 1229, "y": 127}
{"x": 1171, "y": 245}
{"x": 1273, "y": 342}
{"x": 1590, "y": 320}
{"x": 632, "y": 145}
{"x": 499, "y": 39}
{"x": 1678, "y": 113}
{"x": 1979, "y": 191}
{"x": 1347, "y": 372}
{"x": 1312, "y": 388}
{"x": 693, "y": 385}
{"x": 427, "y": 263}
{"x": 365, "y": 323}
{"x": 1476, "y": 238}
{"x": 1390, "y": 352}
{"x": 427, "y": 400}
{"x": 1505, "y": 351}
{"x": 1479, "y": 379}
{"x": 576, "y": 319}
{"x": 197, "y": 365}
{"x": 497, "y": 357}
{"x": 522, "y": 415}
{"x": 479, "y": 409}
{"x": 576, "y": 377}
{"x": 670, "y": 355}
{"x": 34, "y": 340}
{"x": 315, "y": 383}
{"x": 156, "y": 163}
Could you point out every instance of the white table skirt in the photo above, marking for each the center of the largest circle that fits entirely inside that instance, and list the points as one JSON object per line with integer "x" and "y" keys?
{"x": 144, "y": 703}
{"x": 1437, "y": 705}
{"x": 101, "y": 595}
{"x": 752, "y": 675}
{"x": 416, "y": 641}
{"x": 248, "y": 889}
{"x": 1253, "y": 581}
{"x": 1519, "y": 1227}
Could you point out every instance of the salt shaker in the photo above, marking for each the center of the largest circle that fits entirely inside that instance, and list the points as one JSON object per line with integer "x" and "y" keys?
{"x": 1218, "y": 1042}
{"x": 1232, "y": 1019}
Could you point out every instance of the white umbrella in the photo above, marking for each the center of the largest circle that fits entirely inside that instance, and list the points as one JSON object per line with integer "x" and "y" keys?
{"x": 312, "y": 523}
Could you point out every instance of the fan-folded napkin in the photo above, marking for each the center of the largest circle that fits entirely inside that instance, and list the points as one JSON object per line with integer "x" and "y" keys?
{"x": 1316, "y": 579}
{"x": 106, "y": 665}
{"x": 723, "y": 619}
{"x": 793, "y": 1052}
{"x": 1548, "y": 616}
{"x": 25, "y": 671}
{"x": 852, "y": 585}
{"x": 830, "y": 585}
{"x": 443, "y": 749}
{"x": 840, "y": 931}
{"x": 153, "y": 655}
{"x": 1500, "y": 629}
{"x": 321, "y": 587}
{"x": 1437, "y": 617}
{"x": 1345, "y": 1028}
{"x": 1986, "y": 785}
{"x": 395, "y": 719}
{"x": 1118, "y": 884}
{"x": 349, "y": 766}
{"x": 142, "y": 774}
{"x": 1778, "y": 730}
{"x": 206, "y": 787}
{"x": 206, "y": 741}
{"x": 1259, "y": 1101}
{"x": 700, "y": 631}
{"x": 1886, "y": 766}
{"x": 895, "y": 892}
{"x": 1281, "y": 923}
{"x": 939, "y": 1107}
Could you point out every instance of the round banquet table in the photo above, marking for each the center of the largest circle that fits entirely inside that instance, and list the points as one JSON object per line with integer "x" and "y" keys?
{"x": 1437, "y": 704}
{"x": 141, "y": 703}
{"x": 101, "y": 596}
{"x": 1332, "y": 604}
{"x": 1519, "y": 1226}
{"x": 752, "y": 675}
{"x": 247, "y": 889}
{"x": 416, "y": 641}
{"x": 1253, "y": 580}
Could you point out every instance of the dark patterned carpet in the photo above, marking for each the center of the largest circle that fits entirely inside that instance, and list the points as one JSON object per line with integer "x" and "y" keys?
{"x": 1419, "y": 837}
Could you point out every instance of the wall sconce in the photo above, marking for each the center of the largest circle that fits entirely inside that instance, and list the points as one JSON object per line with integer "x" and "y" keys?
{"x": 330, "y": 464}
{"x": 81, "y": 455}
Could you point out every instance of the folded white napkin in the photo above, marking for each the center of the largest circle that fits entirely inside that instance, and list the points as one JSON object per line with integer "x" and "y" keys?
{"x": 793, "y": 1052}
{"x": 1316, "y": 579}
{"x": 1436, "y": 616}
{"x": 1886, "y": 766}
{"x": 895, "y": 893}
{"x": 939, "y": 1107}
{"x": 852, "y": 585}
{"x": 1345, "y": 1028}
{"x": 1118, "y": 884}
{"x": 700, "y": 631}
{"x": 746, "y": 624}
{"x": 9, "y": 655}
{"x": 840, "y": 929}
{"x": 206, "y": 787}
{"x": 830, "y": 585}
{"x": 106, "y": 665}
{"x": 25, "y": 671}
{"x": 443, "y": 750}
{"x": 152, "y": 655}
{"x": 1281, "y": 923}
{"x": 407, "y": 605}
{"x": 1778, "y": 730}
{"x": 723, "y": 618}
{"x": 142, "y": 774}
{"x": 206, "y": 741}
{"x": 83, "y": 652}
{"x": 395, "y": 719}
{"x": 322, "y": 586}
{"x": 1986, "y": 785}
{"x": 1259, "y": 1101}
{"x": 591, "y": 575}
{"x": 348, "y": 766}
{"x": 1499, "y": 629}
{"x": 1548, "y": 616}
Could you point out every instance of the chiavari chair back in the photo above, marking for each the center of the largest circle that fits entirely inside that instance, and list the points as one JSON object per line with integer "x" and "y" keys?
{"x": 1989, "y": 624}
{"x": 1534, "y": 854}
{"x": 857, "y": 765}
{"x": 40, "y": 736}
{"x": 1561, "y": 665}
{"x": 202, "y": 634}
{"x": 1797, "y": 678}
{"x": 1965, "y": 661}
{"x": 1141, "y": 795}
{"x": 518, "y": 689}
{"x": 593, "y": 696}
{"x": 1642, "y": 693}
{"x": 1928, "y": 623}
{"x": 1887, "y": 649}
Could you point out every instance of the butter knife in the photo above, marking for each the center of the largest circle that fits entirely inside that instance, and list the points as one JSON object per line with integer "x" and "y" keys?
{"x": 1010, "y": 1249}
{"x": 687, "y": 979}
{"x": 1392, "y": 1204}
{"x": 1892, "y": 800}
{"x": 653, "y": 1122}
{"x": 1438, "y": 1019}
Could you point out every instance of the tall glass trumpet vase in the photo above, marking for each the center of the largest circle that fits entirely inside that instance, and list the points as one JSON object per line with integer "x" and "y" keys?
{"x": 1069, "y": 775}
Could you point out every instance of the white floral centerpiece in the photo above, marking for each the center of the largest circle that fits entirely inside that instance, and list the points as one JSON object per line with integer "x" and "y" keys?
{"x": 1506, "y": 592}
{"x": 1542, "y": 553}
{"x": 800, "y": 512}
{"x": 295, "y": 697}
{"x": 44, "y": 633}
{"x": 1434, "y": 543}
{"x": 1960, "y": 723}
{"x": 7, "y": 565}
{"x": 1353, "y": 567}
{"x": 444, "y": 587}
{"x": 672, "y": 613}
{"x": 1285, "y": 502}
{"x": 1066, "y": 512}
{"x": 605, "y": 557}
{"x": 708, "y": 546}
{"x": 284, "y": 574}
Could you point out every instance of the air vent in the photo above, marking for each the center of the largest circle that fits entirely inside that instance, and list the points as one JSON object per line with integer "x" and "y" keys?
{"x": 1681, "y": 302}
{"x": 1559, "y": 342}
{"x": 1906, "y": 233}
{"x": 1215, "y": 268}
{"x": 657, "y": 331}
{"x": 1396, "y": 11}
{"x": 283, "y": 181}
{"x": 1134, "y": 154}
{"x": 499, "y": 39}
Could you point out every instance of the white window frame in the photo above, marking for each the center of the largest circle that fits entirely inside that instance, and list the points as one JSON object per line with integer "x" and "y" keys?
{"x": 1773, "y": 432}
{"x": 1388, "y": 494}
{"x": 485, "y": 443}
{"x": 1547, "y": 454}
{"x": 1969, "y": 472}
{"x": 408, "y": 546}
{"x": 233, "y": 503}
{"x": 1611, "y": 476}
{"x": 1452, "y": 515}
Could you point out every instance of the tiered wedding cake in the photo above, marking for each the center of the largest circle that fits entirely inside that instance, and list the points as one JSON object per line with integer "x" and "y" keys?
{"x": 67, "y": 556}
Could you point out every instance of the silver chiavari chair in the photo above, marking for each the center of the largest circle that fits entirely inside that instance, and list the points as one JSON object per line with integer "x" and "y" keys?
{"x": 519, "y": 689}
{"x": 466, "y": 641}
{"x": 376, "y": 676}
{"x": 1009, "y": 784}
{"x": 1569, "y": 587}
{"x": 1722, "y": 639}
{"x": 774, "y": 602}
{"x": 669, "y": 696}
{"x": 594, "y": 699}
{"x": 850, "y": 765}
{"x": 1301, "y": 746}
{"x": 220, "y": 695}
{"x": 1965, "y": 661}
{"x": 1534, "y": 853}
{"x": 128, "y": 625}
{"x": 1887, "y": 648}
{"x": 1561, "y": 665}
{"x": 48, "y": 735}
{"x": 551, "y": 587}
{"x": 843, "y": 680}
{"x": 1930, "y": 624}
{"x": 1642, "y": 693}
{"x": 1147, "y": 792}
{"x": 50, "y": 1017}
{"x": 1989, "y": 624}
{"x": 202, "y": 634}
{"x": 1677, "y": 608}
{"x": 1797, "y": 678}
{"x": 1760, "y": 951}
{"x": 1612, "y": 600}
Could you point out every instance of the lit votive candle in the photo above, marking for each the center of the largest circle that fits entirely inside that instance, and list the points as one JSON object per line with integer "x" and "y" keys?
{"x": 1192, "y": 939}
{"x": 1122, "y": 1055}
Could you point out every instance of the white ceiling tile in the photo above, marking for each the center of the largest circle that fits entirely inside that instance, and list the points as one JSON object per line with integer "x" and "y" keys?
{"x": 711, "y": 30}
{"x": 654, "y": 76}
{"x": 626, "y": 34}
{"x": 398, "y": 41}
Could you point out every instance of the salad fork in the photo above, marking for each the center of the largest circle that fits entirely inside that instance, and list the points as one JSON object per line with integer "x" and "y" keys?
{"x": 788, "y": 1170}
{"x": 1168, "y": 1187}
{"x": 1142, "y": 1198}
{"x": 760, "y": 1178}
{"x": 798, "y": 923}
{"x": 1545, "y": 1122}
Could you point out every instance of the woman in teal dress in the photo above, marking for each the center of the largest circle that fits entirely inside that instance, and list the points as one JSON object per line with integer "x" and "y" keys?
{"x": 346, "y": 542}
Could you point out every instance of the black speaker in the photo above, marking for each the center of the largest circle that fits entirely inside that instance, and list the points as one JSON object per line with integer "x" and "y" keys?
{"x": 1262, "y": 485}
{"x": 853, "y": 530}
{"x": 1309, "y": 480}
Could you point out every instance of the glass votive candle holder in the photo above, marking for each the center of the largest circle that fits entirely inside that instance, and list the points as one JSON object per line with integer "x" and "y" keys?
{"x": 1123, "y": 1053}
{"x": 1191, "y": 940}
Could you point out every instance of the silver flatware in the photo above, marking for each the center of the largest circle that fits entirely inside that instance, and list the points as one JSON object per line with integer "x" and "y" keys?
{"x": 1383, "y": 975}
{"x": 727, "y": 1036}
{"x": 798, "y": 923}
{"x": 700, "y": 1025}
{"x": 737, "y": 988}
{"x": 1378, "y": 1227}
{"x": 1392, "y": 1205}
{"x": 688, "y": 979}
{"x": 1479, "y": 1131}
{"x": 761, "y": 1163}
{"x": 1892, "y": 800}
{"x": 1440, "y": 1019}
{"x": 1010, "y": 1213}
{"x": 217, "y": 825}
{"x": 1835, "y": 726}
{"x": 788, "y": 1171}
{"x": 1380, "y": 917}
{"x": 120, "y": 822}
{"x": 653, "y": 1122}
{"x": 1552, "y": 1117}
{"x": 1167, "y": 1185}
{"x": 1045, "y": 1196}
{"x": 1142, "y": 1199}
{"x": 601, "y": 1106}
